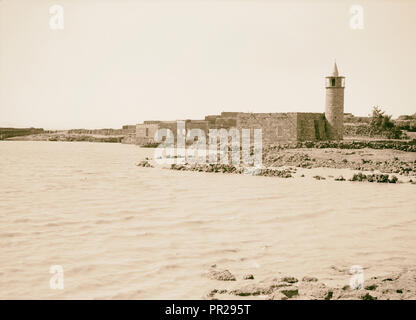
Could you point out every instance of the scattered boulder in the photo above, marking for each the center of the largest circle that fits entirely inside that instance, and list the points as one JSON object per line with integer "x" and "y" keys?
{"x": 399, "y": 286}
{"x": 289, "y": 293}
{"x": 289, "y": 279}
{"x": 277, "y": 295}
{"x": 309, "y": 279}
{"x": 254, "y": 290}
{"x": 393, "y": 179}
{"x": 379, "y": 178}
{"x": 145, "y": 163}
{"x": 368, "y": 296}
{"x": 372, "y": 287}
{"x": 226, "y": 168}
{"x": 223, "y": 275}
{"x": 329, "y": 295}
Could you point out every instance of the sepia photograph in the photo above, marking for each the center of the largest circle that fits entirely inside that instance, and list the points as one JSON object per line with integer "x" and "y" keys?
{"x": 207, "y": 150}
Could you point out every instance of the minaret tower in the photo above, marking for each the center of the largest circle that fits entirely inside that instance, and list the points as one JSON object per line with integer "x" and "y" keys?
{"x": 334, "y": 105}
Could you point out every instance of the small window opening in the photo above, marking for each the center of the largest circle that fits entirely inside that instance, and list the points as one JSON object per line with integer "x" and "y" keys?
{"x": 333, "y": 82}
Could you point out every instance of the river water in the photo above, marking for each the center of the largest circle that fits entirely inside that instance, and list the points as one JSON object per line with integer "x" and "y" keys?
{"x": 126, "y": 232}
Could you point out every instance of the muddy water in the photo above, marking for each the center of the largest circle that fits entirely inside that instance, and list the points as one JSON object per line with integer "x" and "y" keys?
{"x": 120, "y": 231}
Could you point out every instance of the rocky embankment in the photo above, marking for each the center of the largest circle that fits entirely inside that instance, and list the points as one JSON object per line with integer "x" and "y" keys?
{"x": 395, "y": 286}
{"x": 225, "y": 168}
{"x": 384, "y": 161}
{"x": 407, "y": 145}
{"x": 382, "y": 165}
{"x": 378, "y": 166}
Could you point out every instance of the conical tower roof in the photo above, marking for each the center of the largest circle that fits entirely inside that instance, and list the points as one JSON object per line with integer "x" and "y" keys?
{"x": 335, "y": 71}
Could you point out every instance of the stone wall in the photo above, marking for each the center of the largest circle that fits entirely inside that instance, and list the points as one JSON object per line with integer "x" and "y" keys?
{"x": 311, "y": 127}
{"x": 171, "y": 125}
{"x": 276, "y": 127}
{"x": 128, "y": 129}
{"x": 151, "y": 122}
{"x": 197, "y": 124}
{"x": 285, "y": 127}
{"x": 229, "y": 114}
{"x": 226, "y": 120}
{"x": 145, "y": 133}
{"x": 225, "y": 123}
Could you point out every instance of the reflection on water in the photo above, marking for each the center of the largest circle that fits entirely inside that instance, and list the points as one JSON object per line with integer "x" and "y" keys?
{"x": 120, "y": 231}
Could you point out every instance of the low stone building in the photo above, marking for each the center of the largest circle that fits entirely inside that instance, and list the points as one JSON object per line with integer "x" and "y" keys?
{"x": 276, "y": 127}
{"x": 285, "y": 127}
{"x": 145, "y": 132}
{"x": 128, "y": 129}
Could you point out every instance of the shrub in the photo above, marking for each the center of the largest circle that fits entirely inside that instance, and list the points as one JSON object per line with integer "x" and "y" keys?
{"x": 382, "y": 125}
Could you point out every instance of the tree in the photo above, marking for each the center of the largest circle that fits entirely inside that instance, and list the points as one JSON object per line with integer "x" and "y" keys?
{"x": 381, "y": 125}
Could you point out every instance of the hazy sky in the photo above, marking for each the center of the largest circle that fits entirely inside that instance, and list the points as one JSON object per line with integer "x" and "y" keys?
{"x": 122, "y": 61}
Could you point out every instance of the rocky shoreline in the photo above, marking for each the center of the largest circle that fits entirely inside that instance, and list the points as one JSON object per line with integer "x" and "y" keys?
{"x": 362, "y": 165}
{"x": 395, "y": 286}
{"x": 401, "y": 145}
{"x": 384, "y": 161}
{"x": 225, "y": 168}
{"x": 65, "y": 137}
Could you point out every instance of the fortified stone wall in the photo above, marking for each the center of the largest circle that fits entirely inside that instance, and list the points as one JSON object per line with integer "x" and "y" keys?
{"x": 145, "y": 133}
{"x": 197, "y": 124}
{"x": 311, "y": 126}
{"x": 171, "y": 125}
{"x": 128, "y": 129}
{"x": 151, "y": 122}
{"x": 225, "y": 123}
{"x": 276, "y": 127}
{"x": 226, "y": 120}
{"x": 229, "y": 114}
{"x": 211, "y": 119}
